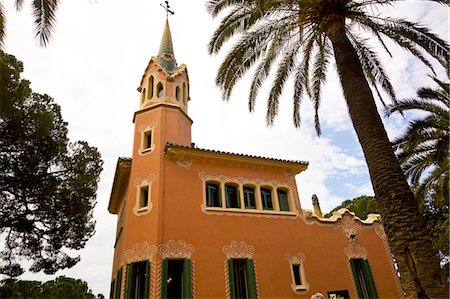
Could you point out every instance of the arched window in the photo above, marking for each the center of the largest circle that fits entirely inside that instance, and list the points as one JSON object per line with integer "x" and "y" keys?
{"x": 283, "y": 200}
{"x": 177, "y": 93}
{"x": 160, "y": 90}
{"x": 213, "y": 198}
{"x": 249, "y": 197}
{"x": 266, "y": 198}
{"x": 150, "y": 87}
{"x": 142, "y": 95}
{"x": 184, "y": 93}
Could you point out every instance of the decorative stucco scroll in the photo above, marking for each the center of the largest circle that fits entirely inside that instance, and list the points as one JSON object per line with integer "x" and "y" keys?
{"x": 184, "y": 162}
{"x": 179, "y": 249}
{"x": 139, "y": 253}
{"x": 238, "y": 250}
{"x": 355, "y": 251}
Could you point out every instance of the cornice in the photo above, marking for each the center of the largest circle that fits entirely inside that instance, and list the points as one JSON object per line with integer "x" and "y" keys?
{"x": 339, "y": 215}
{"x": 180, "y": 153}
{"x": 162, "y": 105}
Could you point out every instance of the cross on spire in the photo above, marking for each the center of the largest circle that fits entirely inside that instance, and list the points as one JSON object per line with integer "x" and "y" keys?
{"x": 167, "y": 8}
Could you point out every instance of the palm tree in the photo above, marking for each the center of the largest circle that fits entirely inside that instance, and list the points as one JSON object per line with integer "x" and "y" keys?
{"x": 303, "y": 35}
{"x": 44, "y": 13}
{"x": 423, "y": 154}
{"x": 423, "y": 149}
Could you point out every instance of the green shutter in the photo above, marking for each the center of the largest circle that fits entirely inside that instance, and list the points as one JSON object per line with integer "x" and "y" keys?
{"x": 231, "y": 278}
{"x": 368, "y": 277}
{"x": 164, "y": 276}
{"x": 111, "y": 291}
{"x": 187, "y": 278}
{"x": 251, "y": 279}
{"x": 118, "y": 283}
{"x": 147, "y": 278}
{"x": 129, "y": 281}
{"x": 355, "y": 277}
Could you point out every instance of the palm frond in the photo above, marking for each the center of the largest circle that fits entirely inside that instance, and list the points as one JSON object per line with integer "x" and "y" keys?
{"x": 283, "y": 72}
{"x": 373, "y": 69}
{"x": 2, "y": 25}
{"x": 44, "y": 12}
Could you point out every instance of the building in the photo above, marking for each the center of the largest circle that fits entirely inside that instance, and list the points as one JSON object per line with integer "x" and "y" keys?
{"x": 208, "y": 224}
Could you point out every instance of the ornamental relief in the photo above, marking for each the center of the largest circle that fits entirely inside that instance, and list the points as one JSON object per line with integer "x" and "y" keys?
{"x": 238, "y": 250}
{"x": 139, "y": 181}
{"x": 184, "y": 162}
{"x": 355, "y": 251}
{"x": 295, "y": 258}
{"x": 349, "y": 227}
{"x": 139, "y": 253}
{"x": 225, "y": 178}
{"x": 151, "y": 126}
{"x": 179, "y": 249}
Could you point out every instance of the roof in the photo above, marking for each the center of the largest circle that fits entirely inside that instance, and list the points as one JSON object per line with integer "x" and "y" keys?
{"x": 173, "y": 149}
{"x": 166, "y": 55}
{"x": 121, "y": 178}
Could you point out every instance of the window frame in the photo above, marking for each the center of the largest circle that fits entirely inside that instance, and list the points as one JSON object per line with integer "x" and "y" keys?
{"x": 130, "y": 290}
{"x": 237, "y": 199}
{"x": 361, "y": 267}
{"x": 253, "y": 188}
{"x": 219, "y": 194}
{"x": 249, "y": 276}
{"x": 270, "y": 193}
{"x": 288, "y": 202}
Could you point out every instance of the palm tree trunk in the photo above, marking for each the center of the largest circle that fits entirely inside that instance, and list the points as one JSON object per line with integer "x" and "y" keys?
{"x": 405, "y": 228}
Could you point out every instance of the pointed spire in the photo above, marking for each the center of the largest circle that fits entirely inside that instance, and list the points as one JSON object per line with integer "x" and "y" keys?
{"x": 166, "y": 55}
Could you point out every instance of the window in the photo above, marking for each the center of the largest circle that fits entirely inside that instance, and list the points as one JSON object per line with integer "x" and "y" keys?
{"x": 150, "y": 88}
{"x": 296, "y": 271}
{"x": 143, "y": 96}
{"x": 159, "y": 90}
{"x": 232, "y": 196}
{"x": 177, "y": 93}
{"x": 147, "y": 139}
{"x": 111, "y": 290}
{"x": 213, "y": 195}
{"x": 176, "y": 278}
{"x": 283, "y": 200}
{"x": 363, "y": 278}
{"x": 143, "y": 202}
{"x": 137, "y": 280}
{"x": 249, "y": 197}
{"x": 118, "y": 283}
{"x": 184, "y": 93}
{"x": 266, "y": 198}
{"x": 242, "y": 280}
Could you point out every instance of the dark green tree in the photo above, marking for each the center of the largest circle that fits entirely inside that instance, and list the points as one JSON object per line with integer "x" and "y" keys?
{"x": 299, "y": 39}
{"x": 44, "y": 14}
{"x": 47, "y": 184}
{"x": 361, "y": 206}
{"x": 60, "y": 288}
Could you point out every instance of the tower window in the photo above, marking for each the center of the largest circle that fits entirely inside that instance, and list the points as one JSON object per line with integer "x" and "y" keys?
{"x": 159, "y": 90}
{"x": 143, "y": 202}
{"x": 266, "y": 198}
{"x": 143, "y": 96}
{"x": 213, "y": 195}
{"x": 249, "y": 197}
{"x": 283, "y": 200}
{"x": 147, "y": 139}
{"x": 177, "y": 93}
{"x": 150, "y": 87}
{"x": 184, "y": 93}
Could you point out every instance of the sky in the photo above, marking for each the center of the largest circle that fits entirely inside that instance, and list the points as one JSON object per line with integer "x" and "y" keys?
{"x": 94, "y": 63}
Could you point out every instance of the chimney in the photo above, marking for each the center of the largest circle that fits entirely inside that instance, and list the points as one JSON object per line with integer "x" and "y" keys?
{"x": 316, "y": 206}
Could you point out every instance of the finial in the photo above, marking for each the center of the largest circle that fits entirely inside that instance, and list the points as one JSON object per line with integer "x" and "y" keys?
{"x": 167, "y": 8}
